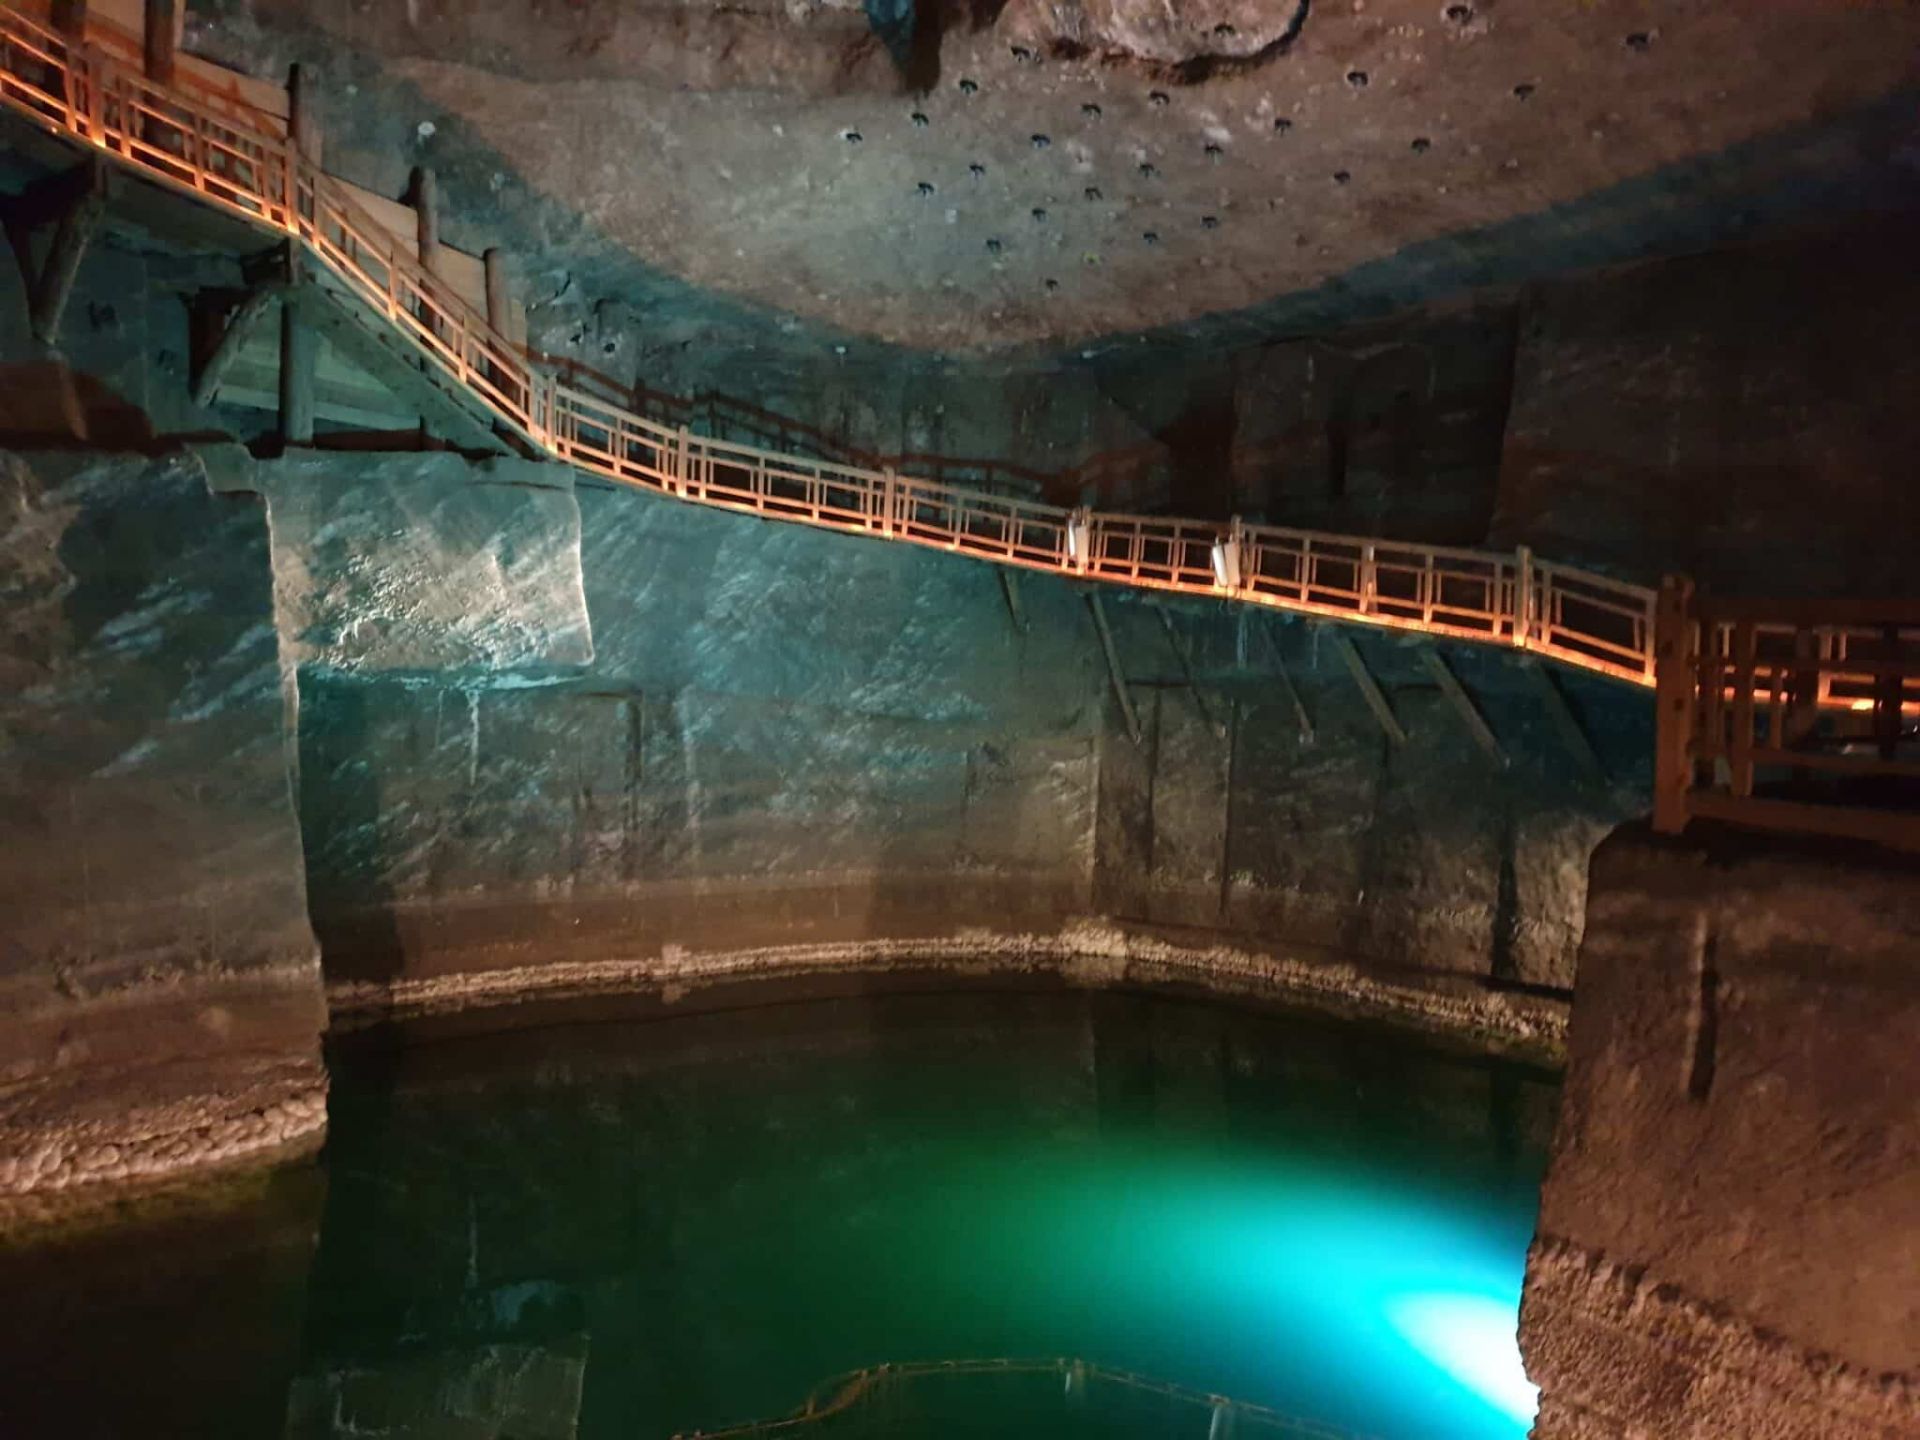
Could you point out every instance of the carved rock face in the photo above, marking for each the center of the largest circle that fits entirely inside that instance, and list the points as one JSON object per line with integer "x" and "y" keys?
{"x": 1063, "y": 172}
{"x": 1172, "y": 33}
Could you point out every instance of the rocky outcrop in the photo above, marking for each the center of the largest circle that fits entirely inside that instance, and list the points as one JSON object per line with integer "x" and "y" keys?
{"x": 159, "y": 984}
{"x": 1726, "y": 1240}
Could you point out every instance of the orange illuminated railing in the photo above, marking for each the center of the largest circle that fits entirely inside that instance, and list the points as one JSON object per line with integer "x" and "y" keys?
{"x": 197, "y": 138}
{"x": 1786, "y": 715}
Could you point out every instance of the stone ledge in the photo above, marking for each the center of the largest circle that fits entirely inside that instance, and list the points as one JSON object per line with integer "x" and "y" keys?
{"x": 47, "y": 1171}
{"x": 1087, "y": 951}
{"x": 1623, "y": 1355}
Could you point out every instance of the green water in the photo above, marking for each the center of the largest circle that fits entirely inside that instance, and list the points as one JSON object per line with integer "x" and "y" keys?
{"x": 636, "y": 1227}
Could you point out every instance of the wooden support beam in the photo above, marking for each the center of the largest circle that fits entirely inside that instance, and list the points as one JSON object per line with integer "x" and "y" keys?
{"x": 1185, "y": 657}
{"x": 1469, "y": 713}
{"x": 1010, "y": 592}
{"x": 235, "y": 325}
{"x": 303, "y": 112}
{"x": 1370, "y": 689}
{"x": 299, "y": 359}
{"x": 1572, "y": 734}
{"x": 499, "y": 284}
{"x": 1300, "y": 716}
{"x": 71, "y": 204}
{"x": 1113, "y": 666}
{"x": 163, "y": 22}
{"x": 426, "y": 213}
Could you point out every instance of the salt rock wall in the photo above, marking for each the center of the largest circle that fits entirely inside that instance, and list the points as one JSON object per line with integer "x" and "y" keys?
{"x": 863, "y": 751}
{"x": 1726, "y": 1244}
{"x": 784, "y": 736}
{"x": 426, "y": 563}
{"x": 1740, "y": 417}
{"x": 1428, "y": 856}
{"x": 159, "y": 987}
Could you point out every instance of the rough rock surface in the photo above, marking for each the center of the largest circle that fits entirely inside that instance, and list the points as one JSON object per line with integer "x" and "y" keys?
{"x": 791, "y": 739}
{"x": 159, "y": 981}
{"x": 1072, "y": 189}
{"x": 427, "y": 564}
{"x": 1734, "y": 417}
{"x": 1726, "y": 1242}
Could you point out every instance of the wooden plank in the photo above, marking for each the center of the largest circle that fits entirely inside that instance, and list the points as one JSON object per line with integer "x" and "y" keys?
{"x": 1370, "y": 689}
{"x": 1113, "y": 666}
{"x": 1572, "y": 734}
{"x": 1469, "y": 713}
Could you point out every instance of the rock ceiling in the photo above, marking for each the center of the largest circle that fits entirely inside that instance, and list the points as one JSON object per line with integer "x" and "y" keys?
{"x": 1001, "y": 174}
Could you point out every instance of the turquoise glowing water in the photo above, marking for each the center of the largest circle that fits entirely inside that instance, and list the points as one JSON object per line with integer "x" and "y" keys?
{"x": 707, "y": 1216}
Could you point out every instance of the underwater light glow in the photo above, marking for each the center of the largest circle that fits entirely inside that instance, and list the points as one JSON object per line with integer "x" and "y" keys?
{"x": 1473, "y": 1338}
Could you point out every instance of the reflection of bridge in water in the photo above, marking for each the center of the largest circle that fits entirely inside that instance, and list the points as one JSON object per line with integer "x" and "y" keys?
{"x": 1055, "y": 1397}
{"x": 1806, "y": 701}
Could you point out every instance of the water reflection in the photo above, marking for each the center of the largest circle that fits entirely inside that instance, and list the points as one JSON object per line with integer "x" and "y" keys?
{"x": 639, "y": 1226}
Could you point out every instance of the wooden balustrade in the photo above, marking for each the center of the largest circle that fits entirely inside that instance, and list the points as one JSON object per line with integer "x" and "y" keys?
{"x": 1741, "y": 691}
{"x": 1789, "y": 715}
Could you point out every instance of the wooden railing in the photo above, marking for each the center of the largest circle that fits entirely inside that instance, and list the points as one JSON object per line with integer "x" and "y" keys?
{"x": 1800, "y": 716}
{"x": 215, "y": 146}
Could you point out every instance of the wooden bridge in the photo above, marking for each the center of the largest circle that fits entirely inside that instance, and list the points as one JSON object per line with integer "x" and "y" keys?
{"x": 1834, "y": 686}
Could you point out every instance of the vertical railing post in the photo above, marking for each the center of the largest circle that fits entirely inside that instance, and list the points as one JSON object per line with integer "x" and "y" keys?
{"x": 87, "y": 62}
{"x": 1368, "y": 578}
{"x": 1080, "y": 540}
{"x": 682, "y": 460}
{"x": 69, "y": 18}
{"x": 1676, "y": 713}
{"x": 162, "y": 38}
{"x": 1523, "y": 597}
{"x": 889, "y": 489}
{"x": 1740, "y": 745}
{"x": 1226, "y": 557}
